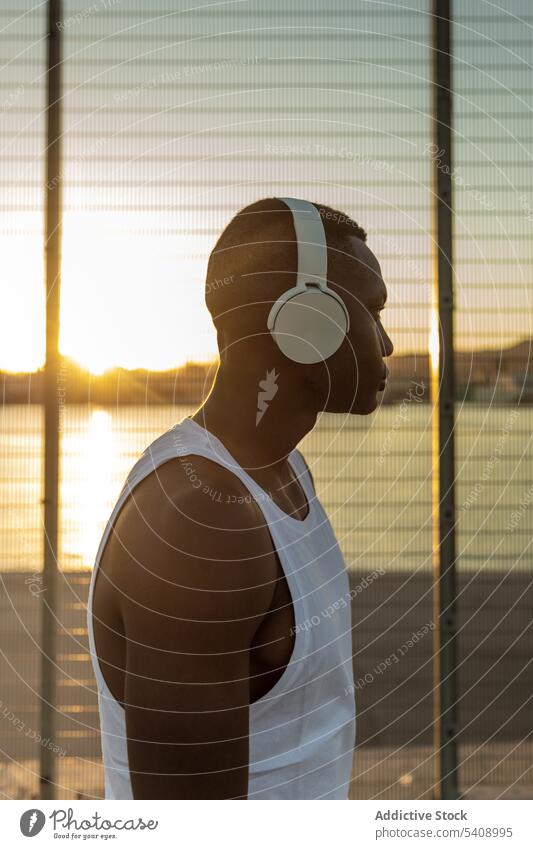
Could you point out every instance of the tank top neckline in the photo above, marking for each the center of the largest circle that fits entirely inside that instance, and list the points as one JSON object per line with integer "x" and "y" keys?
{"x": 310, "y": 501}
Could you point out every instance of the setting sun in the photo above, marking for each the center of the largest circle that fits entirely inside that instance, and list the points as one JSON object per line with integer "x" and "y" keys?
{"x": 126, "y": 300}
{"x": 130, "y": 302}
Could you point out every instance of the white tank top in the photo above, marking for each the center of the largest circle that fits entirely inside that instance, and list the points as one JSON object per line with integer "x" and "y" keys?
{"x": 302, "y": 732}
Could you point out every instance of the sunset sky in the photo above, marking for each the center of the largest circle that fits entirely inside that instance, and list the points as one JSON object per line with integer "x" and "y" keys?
{"x": 172, "y": 125}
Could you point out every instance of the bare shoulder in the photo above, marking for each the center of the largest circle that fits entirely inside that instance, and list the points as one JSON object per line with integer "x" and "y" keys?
{"x": 193, "y": 525}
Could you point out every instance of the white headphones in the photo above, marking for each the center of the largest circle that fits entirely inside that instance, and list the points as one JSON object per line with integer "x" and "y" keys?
{"x": 309, "y": 321}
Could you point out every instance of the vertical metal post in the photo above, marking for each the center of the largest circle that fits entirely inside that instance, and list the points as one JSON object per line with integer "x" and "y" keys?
{"x": 51, "y": 398}
{"x": 443, "y": 396}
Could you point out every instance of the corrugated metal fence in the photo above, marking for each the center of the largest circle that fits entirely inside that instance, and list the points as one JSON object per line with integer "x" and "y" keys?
{"x": 174, "y": 117}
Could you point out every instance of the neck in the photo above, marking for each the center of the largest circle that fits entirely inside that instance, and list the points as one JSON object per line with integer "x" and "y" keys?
{"x": 237, "y": 397}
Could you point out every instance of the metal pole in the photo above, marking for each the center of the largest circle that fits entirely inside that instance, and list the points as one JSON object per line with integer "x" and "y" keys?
{"x": 443, "y": 396}
{"x": 51, "y": 397}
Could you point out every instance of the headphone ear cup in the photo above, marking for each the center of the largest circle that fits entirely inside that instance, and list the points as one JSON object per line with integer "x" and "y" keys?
{"x": 310, "y": 326}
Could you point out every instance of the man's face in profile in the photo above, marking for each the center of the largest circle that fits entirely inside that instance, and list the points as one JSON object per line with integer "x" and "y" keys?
{"x": 355, "y": 373}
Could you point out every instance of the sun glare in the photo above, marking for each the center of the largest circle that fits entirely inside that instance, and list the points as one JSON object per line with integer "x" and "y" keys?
{"x": 433, "y": 341}
{"x": 130, "y": 302}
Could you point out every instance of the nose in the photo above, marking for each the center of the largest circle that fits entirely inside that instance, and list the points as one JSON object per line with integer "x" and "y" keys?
{"x": 388, "y": 347}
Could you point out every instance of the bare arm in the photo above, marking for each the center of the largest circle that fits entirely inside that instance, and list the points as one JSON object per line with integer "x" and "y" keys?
{"x": 199, "y": 585}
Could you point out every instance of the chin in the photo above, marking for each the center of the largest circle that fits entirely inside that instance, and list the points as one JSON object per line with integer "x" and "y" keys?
{"x": 364, "y": 408}
{"x": 361, "y": 405}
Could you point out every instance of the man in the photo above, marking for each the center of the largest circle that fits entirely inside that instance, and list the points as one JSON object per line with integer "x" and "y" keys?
{"x": 220, "y": 627}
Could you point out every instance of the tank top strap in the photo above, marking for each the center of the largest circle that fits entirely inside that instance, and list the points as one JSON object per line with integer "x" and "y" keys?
{"x": 196, "y": 439}
{"x": 188, "y": 437}
{"x": 299, "y": 464}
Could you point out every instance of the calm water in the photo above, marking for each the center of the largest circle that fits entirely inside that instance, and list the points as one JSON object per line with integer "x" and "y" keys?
{"x": 372, "y": 475}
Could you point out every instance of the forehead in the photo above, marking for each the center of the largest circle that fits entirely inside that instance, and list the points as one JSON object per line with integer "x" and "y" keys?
{"x": 364, "y": 277}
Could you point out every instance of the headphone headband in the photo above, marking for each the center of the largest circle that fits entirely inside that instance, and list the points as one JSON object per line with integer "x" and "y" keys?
{"x": 311, "y": 242}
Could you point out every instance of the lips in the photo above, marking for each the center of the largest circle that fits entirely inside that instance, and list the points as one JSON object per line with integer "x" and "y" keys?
{"x": 383, "y": 383}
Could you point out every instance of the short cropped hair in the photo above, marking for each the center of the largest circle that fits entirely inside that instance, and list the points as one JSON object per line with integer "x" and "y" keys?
{"x": 256, "y": 248}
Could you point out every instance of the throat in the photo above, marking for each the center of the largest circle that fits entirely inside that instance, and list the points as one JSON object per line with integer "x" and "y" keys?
{"x": 288, "y": 497}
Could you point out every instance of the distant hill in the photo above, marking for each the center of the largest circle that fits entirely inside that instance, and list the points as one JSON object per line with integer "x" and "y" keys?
{"x": 502, "y": 374}
{"x": 185, "y": 385}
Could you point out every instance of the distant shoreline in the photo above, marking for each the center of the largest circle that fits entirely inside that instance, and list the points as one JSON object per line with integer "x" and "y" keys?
{"x": 484, "y": 377}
